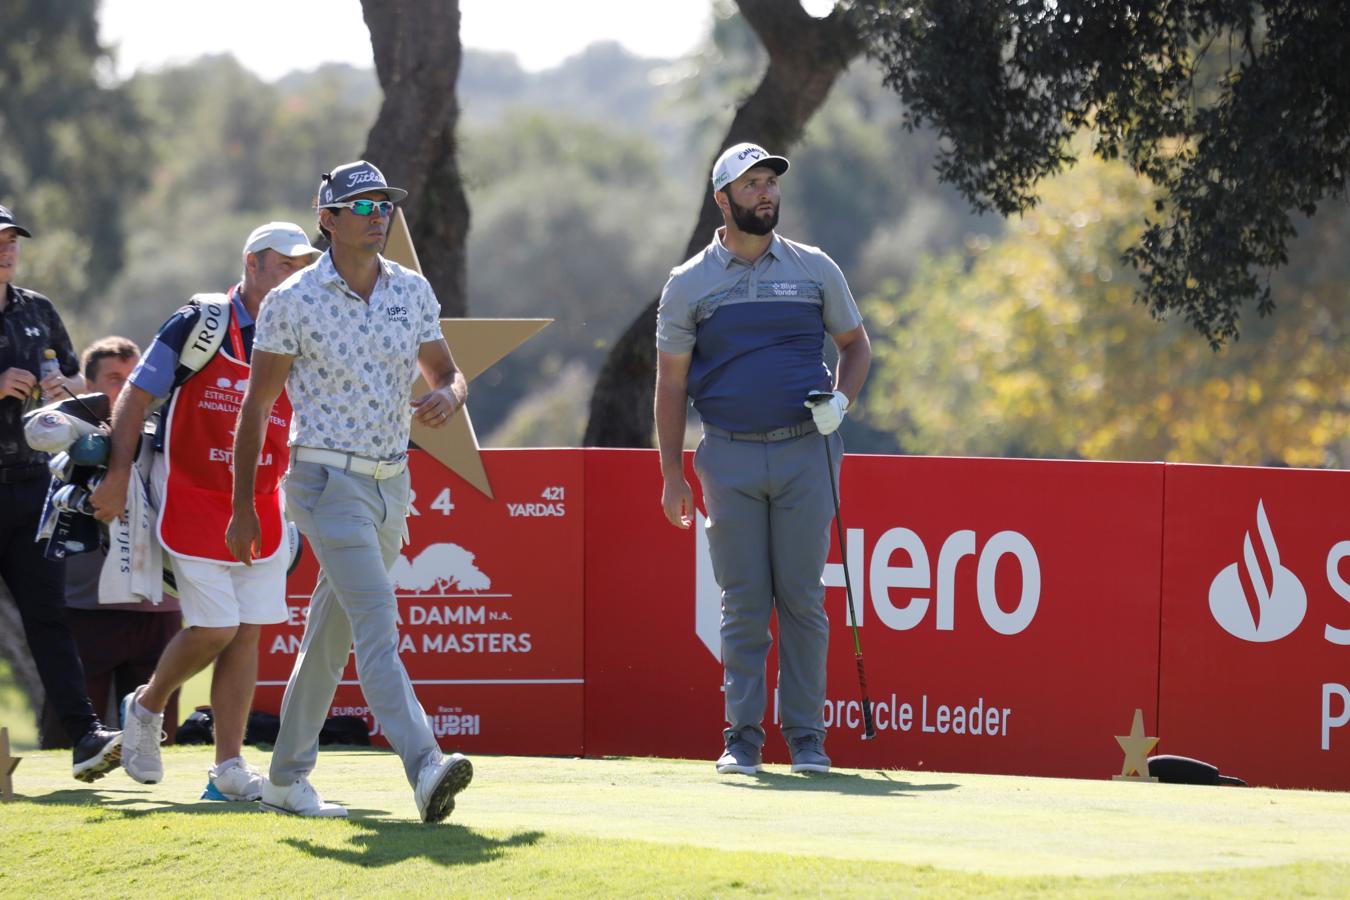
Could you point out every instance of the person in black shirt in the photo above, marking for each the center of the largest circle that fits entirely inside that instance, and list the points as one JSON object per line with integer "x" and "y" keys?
{"x": 29, "y": 326}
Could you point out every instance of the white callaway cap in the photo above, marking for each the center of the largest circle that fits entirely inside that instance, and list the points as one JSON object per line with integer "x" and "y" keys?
{"x": 734, "y": 161}
{"x": 286, "y": 238}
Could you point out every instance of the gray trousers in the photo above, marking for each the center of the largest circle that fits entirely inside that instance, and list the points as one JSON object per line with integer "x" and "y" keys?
{"x": 769, "y": 511}
{"x": 354, "y": 525}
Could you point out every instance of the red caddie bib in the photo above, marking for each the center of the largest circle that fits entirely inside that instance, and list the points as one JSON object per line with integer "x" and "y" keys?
{"x": 199, "y": 456}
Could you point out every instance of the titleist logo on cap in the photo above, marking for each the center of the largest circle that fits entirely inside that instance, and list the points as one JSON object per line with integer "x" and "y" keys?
{"x": 368, "y": 175}
{"x": 350, "y": 179}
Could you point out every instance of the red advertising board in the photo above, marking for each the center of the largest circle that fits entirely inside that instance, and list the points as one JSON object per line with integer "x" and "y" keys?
{"x": 1008, "y": 614}
{"x": 1013, "y": 615}
{"x": 490, "y": 603}
{"x": 1256, "y": 623}
{"x": 652, "y": 689}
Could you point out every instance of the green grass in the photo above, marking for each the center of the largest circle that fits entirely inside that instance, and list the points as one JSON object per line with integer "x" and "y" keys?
{"x": 641, "y": 827}
{"x": 196, "y": 692}
{"x": 15, "y": 712}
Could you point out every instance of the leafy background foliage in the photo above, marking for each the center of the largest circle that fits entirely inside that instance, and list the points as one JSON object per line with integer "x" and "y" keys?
{"x": 1016, "y": 331}
{"x": 1239, "y": 108}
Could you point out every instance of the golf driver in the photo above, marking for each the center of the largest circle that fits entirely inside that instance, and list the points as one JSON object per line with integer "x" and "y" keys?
{"x": 80, "y": 400}
{"x": 869, "y": 730}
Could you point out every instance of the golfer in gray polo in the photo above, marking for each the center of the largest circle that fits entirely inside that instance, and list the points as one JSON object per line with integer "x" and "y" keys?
{"x": 347, "y": 337}
{"x": 741, "y": 330}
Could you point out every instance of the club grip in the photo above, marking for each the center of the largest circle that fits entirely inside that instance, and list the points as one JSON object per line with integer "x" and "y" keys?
{"x": 869, "y": 727}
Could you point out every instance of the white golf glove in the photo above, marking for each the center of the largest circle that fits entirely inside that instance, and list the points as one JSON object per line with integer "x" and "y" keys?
{"x": 830, "y": 414}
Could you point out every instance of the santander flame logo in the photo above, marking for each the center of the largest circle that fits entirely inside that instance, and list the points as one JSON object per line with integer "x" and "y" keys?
{"x": 1276, "y": 604}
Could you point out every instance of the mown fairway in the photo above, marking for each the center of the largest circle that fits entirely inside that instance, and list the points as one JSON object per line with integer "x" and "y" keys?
{"x": 643, "y": 827}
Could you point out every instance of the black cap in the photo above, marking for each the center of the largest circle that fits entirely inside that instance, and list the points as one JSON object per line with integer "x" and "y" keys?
{"x": 7, "y": 221}
{"x": 350, "y": 179}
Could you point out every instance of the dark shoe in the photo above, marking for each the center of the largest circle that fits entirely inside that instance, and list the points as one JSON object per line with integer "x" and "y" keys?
{"x": 739, "y": 758}
{"x": 808, "y": 754}
{"x": 97, "y": 754}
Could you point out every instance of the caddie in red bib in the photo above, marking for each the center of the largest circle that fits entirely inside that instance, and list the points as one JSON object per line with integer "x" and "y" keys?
{"x": 199, "y": 432}
{"x": 199, "y": 365}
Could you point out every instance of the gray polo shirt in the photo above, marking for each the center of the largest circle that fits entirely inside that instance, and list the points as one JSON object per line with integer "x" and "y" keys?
{"x": 756, "y": 331}
{"x": 355, "y": 362}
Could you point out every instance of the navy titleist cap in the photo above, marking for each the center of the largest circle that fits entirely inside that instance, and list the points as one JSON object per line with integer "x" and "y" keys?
{"x": 7, "y": 221}
{"x": 734, "y": 162}
{"x": 350, "y": 179}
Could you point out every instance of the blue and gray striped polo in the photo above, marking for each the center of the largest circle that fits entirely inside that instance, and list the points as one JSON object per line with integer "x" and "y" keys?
{"x": 756, "y": 331}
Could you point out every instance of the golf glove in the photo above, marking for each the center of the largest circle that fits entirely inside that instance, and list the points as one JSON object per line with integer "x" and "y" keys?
{"x": 830, "y": 414}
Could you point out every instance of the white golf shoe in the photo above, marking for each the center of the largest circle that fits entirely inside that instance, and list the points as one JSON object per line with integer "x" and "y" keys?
{"x": 437, "y": 785}
{"x": 235, "y": 779}
{"x": 141, "y": 737}
{"x": 298, "y": 799}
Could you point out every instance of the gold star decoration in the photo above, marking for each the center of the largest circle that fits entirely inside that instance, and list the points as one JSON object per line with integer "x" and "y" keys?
{"x": 7, "y": 766}
{"x": 476, "y": 345}
{"x": 1136, "y": 746}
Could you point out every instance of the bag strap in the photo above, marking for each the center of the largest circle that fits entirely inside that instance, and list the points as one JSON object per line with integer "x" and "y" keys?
{"x": 207, "y": 337}
{"x": 201, "y": 345}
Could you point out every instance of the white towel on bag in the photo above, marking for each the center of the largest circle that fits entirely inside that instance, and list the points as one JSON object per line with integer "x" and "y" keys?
{"x": 134, "y": 569}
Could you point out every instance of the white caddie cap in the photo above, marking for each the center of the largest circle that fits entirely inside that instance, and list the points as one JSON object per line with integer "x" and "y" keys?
{"x": 734, "y": 161}
{"x": 286, "y": 238}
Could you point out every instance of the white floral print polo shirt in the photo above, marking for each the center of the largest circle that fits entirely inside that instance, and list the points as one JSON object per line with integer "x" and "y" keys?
{"x": 355, "y": 362}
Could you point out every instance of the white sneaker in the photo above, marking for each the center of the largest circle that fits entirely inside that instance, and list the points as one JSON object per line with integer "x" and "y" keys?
{"x": 140, "y": 742}
{"x": 237, "y": 780}
{"x": 298, "y": 799}
{"x": 438, "y": 783}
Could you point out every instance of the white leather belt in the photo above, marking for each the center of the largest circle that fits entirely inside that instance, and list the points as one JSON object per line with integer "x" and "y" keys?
{"x": 350, "y": 462}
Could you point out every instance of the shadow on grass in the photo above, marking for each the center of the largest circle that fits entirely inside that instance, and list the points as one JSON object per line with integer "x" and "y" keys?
{"x": 115, "y": 800}
{"x": 386, "y": 843}
{"x": 372, "y": 842}
{"x": 834, "y": 783}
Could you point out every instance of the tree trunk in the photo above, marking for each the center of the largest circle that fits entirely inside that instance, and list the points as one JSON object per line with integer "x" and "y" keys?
{"x": 806, "y": 57}
{"x": 417, "y": 58}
